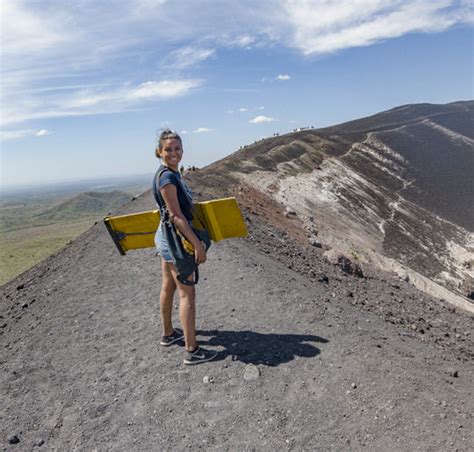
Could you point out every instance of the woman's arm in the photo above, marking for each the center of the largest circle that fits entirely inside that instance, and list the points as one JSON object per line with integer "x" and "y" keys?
{"x": 170, "y": 196}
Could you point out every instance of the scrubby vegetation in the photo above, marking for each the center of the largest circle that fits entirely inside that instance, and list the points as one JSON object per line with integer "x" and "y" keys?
{"x": 31, "y": 230}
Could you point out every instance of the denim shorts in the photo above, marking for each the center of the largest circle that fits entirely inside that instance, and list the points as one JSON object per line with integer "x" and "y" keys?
{"x": 162, "y": 245}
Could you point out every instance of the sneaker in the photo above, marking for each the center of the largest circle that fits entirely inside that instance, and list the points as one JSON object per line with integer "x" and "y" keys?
{"x": 198, "y": 356}
{"x": 172, "y": 338}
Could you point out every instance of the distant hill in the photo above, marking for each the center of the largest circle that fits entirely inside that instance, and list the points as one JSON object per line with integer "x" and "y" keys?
{"x": 89, "y": 203}
{"x": 395, "y": 187}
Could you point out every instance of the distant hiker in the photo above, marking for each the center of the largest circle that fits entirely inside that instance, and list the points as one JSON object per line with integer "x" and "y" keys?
{"x": 170, "y": 151}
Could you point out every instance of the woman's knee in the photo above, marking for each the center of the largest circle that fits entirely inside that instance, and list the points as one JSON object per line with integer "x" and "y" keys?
{"x": 187, "y": 296}
{"x": 168, "y": 284}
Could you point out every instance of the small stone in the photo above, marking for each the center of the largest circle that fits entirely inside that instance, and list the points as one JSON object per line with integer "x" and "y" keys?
{"x": 20, "y": 287}
{"x": 350, "y": 294}
{"x": 323, "y": 279}
{"x": 453, "y": 373}
{"x": 24, "y": 305}
{"x": 39, "y": 442}
{"x": 207, "y": 379}
{"x": 353, "y": 386}
{"x": 316, "y": 243}
{"x": 251, "y": 372}
{"x": 13, "y": 439}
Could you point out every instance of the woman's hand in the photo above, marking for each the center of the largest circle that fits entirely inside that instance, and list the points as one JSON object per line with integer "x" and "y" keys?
{"x": 200, "y": 254}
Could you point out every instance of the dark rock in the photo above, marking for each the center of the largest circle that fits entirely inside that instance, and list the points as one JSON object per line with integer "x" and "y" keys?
{"x": 39, "y": 443}
{"x": 470, "y": 295}
{"x": 348, "y": 266}
{"x": 323, "y": 279}
{"x": 20, "y": 287}
{"x": 13, "y": 439}
{"x": 453, "y": 373}
{"x": 316, "y": 243}
{"x": 24, "y": 305}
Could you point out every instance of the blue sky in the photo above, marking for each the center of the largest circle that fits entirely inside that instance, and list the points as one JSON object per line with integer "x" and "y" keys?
{"x": 86, "y": 85}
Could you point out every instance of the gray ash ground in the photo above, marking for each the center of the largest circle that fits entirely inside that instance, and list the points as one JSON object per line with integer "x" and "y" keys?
{"x": 388, "y": 296}
{"x": 309, "y": 358}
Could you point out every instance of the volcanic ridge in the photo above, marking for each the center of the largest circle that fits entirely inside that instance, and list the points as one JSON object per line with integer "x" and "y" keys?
{"x": 325, "y": 340}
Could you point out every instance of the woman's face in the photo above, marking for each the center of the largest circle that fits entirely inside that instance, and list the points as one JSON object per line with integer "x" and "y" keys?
{"x": 171, "y": 153}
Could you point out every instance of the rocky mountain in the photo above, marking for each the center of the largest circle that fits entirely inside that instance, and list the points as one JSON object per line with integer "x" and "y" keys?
{"x": 394, "y": 189}
{"x": 315, "y": 351}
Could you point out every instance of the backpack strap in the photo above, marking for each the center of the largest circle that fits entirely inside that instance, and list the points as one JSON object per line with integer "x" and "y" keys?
{"x": 156, "y": 192}
{"x": 159, "y": 197}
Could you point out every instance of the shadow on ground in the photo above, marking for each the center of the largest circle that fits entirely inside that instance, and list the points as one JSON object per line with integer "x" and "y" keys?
{"x": 256, "y": 348}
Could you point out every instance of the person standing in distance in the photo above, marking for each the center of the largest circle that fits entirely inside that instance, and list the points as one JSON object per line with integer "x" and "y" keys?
{"x": 170, "y": 151}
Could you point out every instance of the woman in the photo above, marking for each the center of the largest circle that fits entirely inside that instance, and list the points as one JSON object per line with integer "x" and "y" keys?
{"x": 170, "y": 151}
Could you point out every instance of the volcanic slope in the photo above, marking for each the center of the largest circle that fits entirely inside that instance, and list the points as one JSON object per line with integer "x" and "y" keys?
{"x": 310, "y": 358}
{"x": 395, "y": 189}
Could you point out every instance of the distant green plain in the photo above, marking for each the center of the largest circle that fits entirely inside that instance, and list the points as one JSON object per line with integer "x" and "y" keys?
{"x": 23, "y": 248}
{"x": 30, "y": 231}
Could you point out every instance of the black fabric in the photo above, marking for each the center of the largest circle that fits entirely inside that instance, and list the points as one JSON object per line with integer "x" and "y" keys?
{"x": 168, "y": 176}
{"x": 184, "y": 262}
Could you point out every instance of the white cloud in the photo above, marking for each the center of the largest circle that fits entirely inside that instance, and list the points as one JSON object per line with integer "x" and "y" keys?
{"x": 25, "y": 31}
{"x": 260, "y": 108}
{"x": 187, "y": 56}
{"x": 244, "y": 41}
{"x": 42, "y": 133}
{"x": 49, "y": 44}
{"x": 7, "y": 135}
{"x": 184, "y": 132}
{"x": 282, "y": 77}
{"x": 243, "y": 109}
{"x": 96, "y": 101}
{"x": 326, "y": 27}
{"x": 202, "y": 130}
{"x": 260, "y": 119}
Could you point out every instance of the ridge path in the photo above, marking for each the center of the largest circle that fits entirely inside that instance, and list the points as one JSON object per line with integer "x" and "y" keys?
{"x": 298, "y": 369}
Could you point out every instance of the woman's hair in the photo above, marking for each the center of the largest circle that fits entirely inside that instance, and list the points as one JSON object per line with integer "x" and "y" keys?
{"x": 165, "y": 135}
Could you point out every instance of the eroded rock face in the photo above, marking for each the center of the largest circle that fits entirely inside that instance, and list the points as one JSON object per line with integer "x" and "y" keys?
{"x": 347, "y": 265}
{"x": 395, "y": 188}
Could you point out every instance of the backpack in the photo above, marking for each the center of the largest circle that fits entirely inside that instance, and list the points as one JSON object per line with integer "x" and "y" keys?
{"x": 180, "y": 248}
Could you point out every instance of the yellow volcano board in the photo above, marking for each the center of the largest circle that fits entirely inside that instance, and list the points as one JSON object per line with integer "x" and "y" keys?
{"x": 221, "y": 217}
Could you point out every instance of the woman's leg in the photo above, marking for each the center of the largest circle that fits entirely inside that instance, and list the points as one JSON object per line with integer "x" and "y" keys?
{"x": 168, "y": 288}
{"x": 187, "y": 311}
